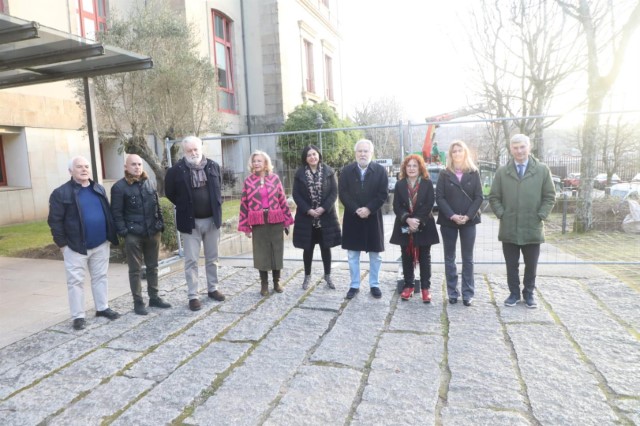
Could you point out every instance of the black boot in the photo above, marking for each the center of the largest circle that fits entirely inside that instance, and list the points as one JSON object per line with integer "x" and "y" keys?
{"x": 264, "y": 283}
{"x": 276, "y": 282}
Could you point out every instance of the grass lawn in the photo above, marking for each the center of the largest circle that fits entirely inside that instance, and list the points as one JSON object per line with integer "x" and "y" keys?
{"x": 230, "y": 208}
{"x": 16, "y": 238}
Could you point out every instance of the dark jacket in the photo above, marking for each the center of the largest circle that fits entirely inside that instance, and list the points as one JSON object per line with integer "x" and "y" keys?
{"x": 330, "y": 227}
{"x": 65, "y": 220}
{"x": 451, "y": 198}
{"x": 177, "y": 187}
{"x": 135, "y": 207}
{"x": 427, "y": 233}
{"x": 522, "y": 205}
{"x": 363, "y": 234}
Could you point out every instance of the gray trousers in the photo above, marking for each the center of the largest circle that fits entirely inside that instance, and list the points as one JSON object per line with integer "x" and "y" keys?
{"x": 76, "y": 264}
{"x": 207, "y": 235}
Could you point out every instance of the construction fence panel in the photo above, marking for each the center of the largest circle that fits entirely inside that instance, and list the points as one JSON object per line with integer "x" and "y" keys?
{"x": 490, "y": 150}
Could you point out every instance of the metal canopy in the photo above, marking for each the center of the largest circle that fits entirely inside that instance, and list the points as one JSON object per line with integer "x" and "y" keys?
{"x": 33, "y": 54}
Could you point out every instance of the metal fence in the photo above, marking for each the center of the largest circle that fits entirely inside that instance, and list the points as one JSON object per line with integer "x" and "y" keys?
{"x": 393, "y": 142}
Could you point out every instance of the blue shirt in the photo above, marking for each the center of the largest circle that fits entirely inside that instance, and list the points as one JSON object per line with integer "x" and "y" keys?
{"x": 95, "y": 222}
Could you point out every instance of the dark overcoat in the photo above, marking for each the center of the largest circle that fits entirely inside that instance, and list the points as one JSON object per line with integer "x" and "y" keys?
{"x": 330, "y": 227}
{"x": 177, "y": 188}
{"x": 427, "y": 233}
{"x": 363, "y": 234}
{"x": 462, "y": 197}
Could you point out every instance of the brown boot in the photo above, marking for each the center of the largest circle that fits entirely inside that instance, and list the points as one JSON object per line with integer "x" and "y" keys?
{"x": 276, "y": 282}
{"x": 264, "y": 283}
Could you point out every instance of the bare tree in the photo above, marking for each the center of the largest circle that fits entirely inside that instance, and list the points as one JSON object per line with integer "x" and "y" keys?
{"x": 523, "y": 54}
{"x": 606, "y": 42}
{"x": 618, "y": 139}
{"x": 387, "y": 111}
{"x": 176, "y": 98}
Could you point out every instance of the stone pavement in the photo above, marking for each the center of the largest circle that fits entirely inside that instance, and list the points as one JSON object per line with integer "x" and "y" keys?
{"x": 311, "y": 357}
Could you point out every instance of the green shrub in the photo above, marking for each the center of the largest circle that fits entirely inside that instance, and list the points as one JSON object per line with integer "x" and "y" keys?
{"x": 169, "y": 237}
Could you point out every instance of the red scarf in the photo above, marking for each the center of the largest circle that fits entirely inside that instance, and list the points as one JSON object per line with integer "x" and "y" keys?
{"x": 413, "y": 251}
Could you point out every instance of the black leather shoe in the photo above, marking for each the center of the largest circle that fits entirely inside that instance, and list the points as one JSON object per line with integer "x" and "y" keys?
{"x": 216, "y": 295}
{"x": 158, "y": 302}
{"x": 108, "y": 313}
{"x": 352, "y": 293}
{"x": 375, "y": 292}
{"x": 139, "y": 308}
{"x": 453, "y": 300}
{"x": 79, "y": 324}
{"x": 467, "y": 302}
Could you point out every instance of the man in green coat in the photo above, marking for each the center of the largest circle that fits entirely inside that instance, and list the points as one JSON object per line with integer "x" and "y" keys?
{"x": 522, "y": 196}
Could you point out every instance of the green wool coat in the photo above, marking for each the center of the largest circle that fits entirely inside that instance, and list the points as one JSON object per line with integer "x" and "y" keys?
{"x": 522, "y": 205}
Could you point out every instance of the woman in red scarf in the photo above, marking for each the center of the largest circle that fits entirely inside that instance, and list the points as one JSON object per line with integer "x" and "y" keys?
{"x": 414, "y": 229}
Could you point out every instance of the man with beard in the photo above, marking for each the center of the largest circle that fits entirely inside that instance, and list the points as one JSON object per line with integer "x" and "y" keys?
{"x": 363, "y": 189}
{"x": 193, "y": 185}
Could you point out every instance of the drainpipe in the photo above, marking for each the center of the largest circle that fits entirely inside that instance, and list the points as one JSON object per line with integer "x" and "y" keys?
{"x": 246, "y": 77}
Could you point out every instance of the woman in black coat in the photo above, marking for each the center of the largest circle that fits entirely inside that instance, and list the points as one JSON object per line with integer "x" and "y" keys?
{"x": 459, "y": 196}
{"x": 315, "y": 191}
{"x": 414, "y": 228}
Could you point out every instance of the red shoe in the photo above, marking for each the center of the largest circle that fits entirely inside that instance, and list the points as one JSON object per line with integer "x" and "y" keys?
{"x": 426, "y": 295}
{"x": 407, "y": 293}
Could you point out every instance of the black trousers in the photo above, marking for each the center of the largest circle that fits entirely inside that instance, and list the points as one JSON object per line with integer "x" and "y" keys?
{"x": 424, "y": 262}
{"x": 530, "y": 255}
{"x": 325, "y": 253}
{"x": 137, "y": 248}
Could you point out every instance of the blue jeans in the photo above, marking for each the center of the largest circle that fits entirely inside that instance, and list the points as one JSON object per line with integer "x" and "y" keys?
{"x": 467, "y": 241}
{"x": 375, "y": 260}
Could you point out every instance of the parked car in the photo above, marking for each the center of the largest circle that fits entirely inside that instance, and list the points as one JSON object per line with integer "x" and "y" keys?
{"x": 600, "y": 181}
{"x": 636, "y": 178}
{"x": 572, "y": 180}
{"x": 626, "y": 190}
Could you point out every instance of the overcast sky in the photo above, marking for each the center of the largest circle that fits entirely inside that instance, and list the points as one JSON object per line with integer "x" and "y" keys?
{"x": 416, "y": 51}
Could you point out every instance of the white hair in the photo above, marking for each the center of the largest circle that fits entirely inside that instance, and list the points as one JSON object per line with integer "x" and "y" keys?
{"x": 73, "y": 161}
{"x": 520, "y": 138}
{"x": 355, "y": 147}
{"x": 191, "y": 139}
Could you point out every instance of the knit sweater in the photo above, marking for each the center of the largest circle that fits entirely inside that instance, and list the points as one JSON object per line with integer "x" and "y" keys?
{"x": 251, "y": 210}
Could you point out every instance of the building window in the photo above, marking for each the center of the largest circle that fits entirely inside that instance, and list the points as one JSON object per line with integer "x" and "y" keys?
{"x": 328, "y": 72}
{"x": 224, "y": 62}
{"x": 3, "y": 170}
{"x": 93, "y": 17}
{"x": 308, "y": 60}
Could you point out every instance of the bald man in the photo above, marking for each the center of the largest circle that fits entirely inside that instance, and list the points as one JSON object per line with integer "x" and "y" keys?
{"x": 82, "y": 226}
{"x": 136, "y": 213}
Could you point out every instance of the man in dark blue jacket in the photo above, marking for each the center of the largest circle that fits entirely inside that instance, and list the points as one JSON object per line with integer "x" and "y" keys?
{"x": 138, "y": 219}
{"x": 82, "y": 226}
{"x": 193, "y": 184}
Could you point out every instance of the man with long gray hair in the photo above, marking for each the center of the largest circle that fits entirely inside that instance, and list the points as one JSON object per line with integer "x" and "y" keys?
{"x": 194, "y": 184}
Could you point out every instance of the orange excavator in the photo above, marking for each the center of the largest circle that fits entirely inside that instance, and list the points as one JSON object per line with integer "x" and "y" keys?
{"x": 430, "y": 151}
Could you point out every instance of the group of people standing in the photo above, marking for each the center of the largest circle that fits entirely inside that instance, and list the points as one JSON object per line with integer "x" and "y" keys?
{"x": 83, "y": 223}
